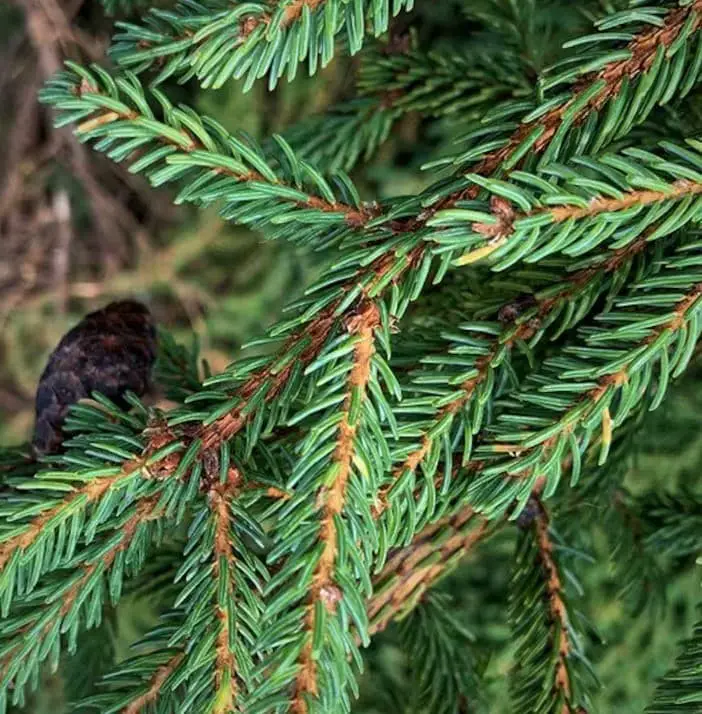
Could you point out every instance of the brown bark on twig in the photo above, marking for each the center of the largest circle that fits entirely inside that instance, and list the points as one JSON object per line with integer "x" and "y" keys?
{"x": 411, "y": 571}
{"x": 332, "y": 499}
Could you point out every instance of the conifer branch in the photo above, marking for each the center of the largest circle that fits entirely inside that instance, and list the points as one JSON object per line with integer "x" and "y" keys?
{"x": 667, "y": 523}
{"x": 545, "y": 135}
{"x": 151, "y": 695}
{"x": 554, "y": 593}
{"x": 440, "y": 655}
{"x": 145, "y": 682}
{"x": 226, "y": 685}
{"x": 590, "y": 211}
{"x": 368, "y": 465}
{"x": 678, "y": 692}
{"x": 250, "y": 39}
{"x": 495, "y": 341}
{"x": 332, "y": 502}
{"x": 409, "y": 572}
{"x": 218, "y": 621}
{"x": 678, "y": 189}
{"x": 550, "y": 673}
{"x": 392, "y": 84}
{"x": 32, "y": 530}
{"x": 208, "y": 637}
{"x": 62, "y": 510}
{"x": 45, "y": 613}
{"x": 600, "y": 380}
{"x": 195, "y": 151}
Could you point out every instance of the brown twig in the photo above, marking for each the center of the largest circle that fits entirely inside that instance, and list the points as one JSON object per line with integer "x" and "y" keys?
{"x": 332, "y": 499}
{"x": 62, "y": 209}
{"x": 411, "y": 571}
{"x": 226, "y": 685}
{"x": 154, "y": 690}
{"x": 558, "y": 614}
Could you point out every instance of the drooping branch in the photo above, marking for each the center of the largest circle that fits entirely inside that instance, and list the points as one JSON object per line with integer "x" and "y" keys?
{"x": 549, "y": 672}
{"x": 332, "y": 501}
{"x": 411, "y": 571}
{"x": 554, "y": 592}
{"x": 226, "y": 683}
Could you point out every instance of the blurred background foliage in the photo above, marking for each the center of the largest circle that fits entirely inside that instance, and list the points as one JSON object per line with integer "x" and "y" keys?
{"x": 77, "y": 232}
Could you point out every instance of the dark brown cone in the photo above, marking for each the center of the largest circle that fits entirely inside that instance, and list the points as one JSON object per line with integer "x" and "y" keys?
{"x": 110, "y": 351}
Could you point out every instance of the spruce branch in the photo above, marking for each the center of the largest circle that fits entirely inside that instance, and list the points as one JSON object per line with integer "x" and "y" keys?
{"x": 409, "y": 572}
{"x": 198, "y": 153}
{"x": 593, "y": 386}
{"x": 30, "y": 545}
{"x": 391, "y": 85}
{"x": 549, "y": 675}
{"x": 554, "y": 597}
{"x": 679, "y": 691}
{"x": 470, "y": 363}
{"x": 551, "y": 131}
{"x": 329, "y": 495}
{"x": 442, "y": 667}
{"x": 202, "y": 653}
{"x": 226, "y": 685}
{"x": 35, "y": 633}
{"x": 637, "y": 566}
{"x": 151, "y": 695}
{"x": 575, "y": 214}
{"x": 216, "y": 42}
{"x": 220, "y": 604}
{"x": 434, "y": 552}
{"x": 143, "y": 682}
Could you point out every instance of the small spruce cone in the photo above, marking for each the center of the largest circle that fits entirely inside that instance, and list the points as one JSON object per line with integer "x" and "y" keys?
{"x": 111, "y": 350}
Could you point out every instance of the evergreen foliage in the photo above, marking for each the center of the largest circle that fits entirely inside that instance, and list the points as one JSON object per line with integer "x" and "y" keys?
{"x": 470, "y": 367}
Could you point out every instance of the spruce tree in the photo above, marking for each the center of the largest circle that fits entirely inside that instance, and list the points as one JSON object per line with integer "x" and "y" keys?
{"x": 460, "y": 393}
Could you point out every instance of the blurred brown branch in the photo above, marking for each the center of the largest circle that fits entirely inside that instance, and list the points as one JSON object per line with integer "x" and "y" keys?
{"x": 48, "y": 174}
